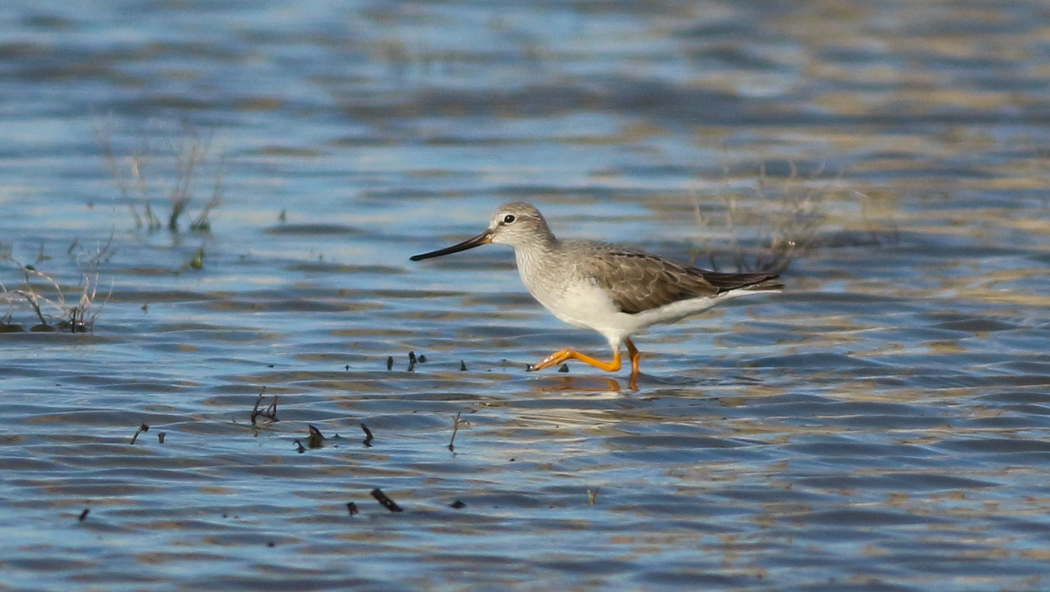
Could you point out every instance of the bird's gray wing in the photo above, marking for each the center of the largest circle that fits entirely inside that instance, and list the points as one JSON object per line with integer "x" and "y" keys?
{"x": 638, "y": 281}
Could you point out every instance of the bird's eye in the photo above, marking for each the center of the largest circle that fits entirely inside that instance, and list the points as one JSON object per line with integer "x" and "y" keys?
{"x": 509, "y": 218}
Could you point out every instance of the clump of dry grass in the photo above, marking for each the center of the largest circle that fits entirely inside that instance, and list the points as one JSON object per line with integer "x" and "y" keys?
{"x": 140, "y": 177}
{"x": 46, "y": 298}
{"x": 788, "y": 214}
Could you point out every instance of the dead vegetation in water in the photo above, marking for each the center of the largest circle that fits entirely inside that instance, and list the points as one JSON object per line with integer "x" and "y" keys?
{"x": 455, "y": 430}
{"x": 55, "y": 308}
{"x": 385, "y": 500}
{"x": 142, "y": 428}
{"x": 781, "y": 218}
{"x": 412, "y": 361}
{"x": 315, "y": 439}
{"x": 149, "y": 176}
{"x": 788, "y": 218}
{"x": 269, "y": 414}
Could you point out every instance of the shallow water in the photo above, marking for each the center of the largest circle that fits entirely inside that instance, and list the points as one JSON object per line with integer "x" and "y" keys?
{"x": 882, "y": 425}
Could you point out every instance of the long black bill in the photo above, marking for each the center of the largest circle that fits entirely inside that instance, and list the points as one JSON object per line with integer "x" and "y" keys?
{"x": 482, "y": 239}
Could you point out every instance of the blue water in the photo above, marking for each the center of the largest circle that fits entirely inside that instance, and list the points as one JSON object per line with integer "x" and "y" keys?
{"x": 881, "y": 425}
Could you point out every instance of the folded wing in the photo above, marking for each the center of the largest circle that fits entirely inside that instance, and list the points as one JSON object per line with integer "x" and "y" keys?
{"x": 639, "y": 281}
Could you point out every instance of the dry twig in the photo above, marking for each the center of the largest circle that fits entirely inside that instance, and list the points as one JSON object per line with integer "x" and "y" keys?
{"x": 455, "y": 429}
{"x": 270, "y": 413}
{"x": 386, "y": 501}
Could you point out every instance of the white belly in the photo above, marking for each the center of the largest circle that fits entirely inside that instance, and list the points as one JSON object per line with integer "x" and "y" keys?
{"x": 583, "y": 306}
{"x": 588, "y": 306}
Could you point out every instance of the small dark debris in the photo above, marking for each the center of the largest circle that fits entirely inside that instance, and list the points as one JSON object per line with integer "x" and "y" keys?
{"x": 84, "y": 514}
{"x": 271, "y": 411}
{"x": 529, "y": 368}
{"x": 411, "y": 357}
{"x": 462, "y": 366}
{"x": 386, "y": 501}
{"x": 142, "y": 428}
{"x": 422, "y": 359}
{"x": 563, "y": 368}
{"x": 455, "y": 428}
{"x": 352, "y": 508}
{"x": 271, "y": 544}
{"x": 389, "y": 362}
{"x": 347, "y": 368}
{"x": 368, "y": 436}
{"x": 316, "y": 438}
{"x": 512, "y": 460}
{"x": 269, "y": 365}
{"x": 299, "y": 446}
{"x": 457, "y": 505}
{"x": 160, "y": 437}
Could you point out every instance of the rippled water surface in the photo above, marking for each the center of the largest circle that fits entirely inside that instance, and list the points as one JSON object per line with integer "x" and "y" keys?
{"x": 884, "y": 424}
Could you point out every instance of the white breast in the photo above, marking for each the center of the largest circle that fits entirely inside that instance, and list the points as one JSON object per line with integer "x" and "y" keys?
{"x": 577, "y": 300}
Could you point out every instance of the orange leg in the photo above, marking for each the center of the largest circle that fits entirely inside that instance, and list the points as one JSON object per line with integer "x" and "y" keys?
{"x": 636, "y": 359}
{"x": 567, "y": 354}
{"x": 636, "y": 356}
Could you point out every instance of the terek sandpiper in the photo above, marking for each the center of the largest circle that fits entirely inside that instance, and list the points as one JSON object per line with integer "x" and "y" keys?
{"x": 615, "y": 290}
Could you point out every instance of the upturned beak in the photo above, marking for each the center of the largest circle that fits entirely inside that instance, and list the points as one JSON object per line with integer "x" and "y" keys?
{"x": 482, "y": 239}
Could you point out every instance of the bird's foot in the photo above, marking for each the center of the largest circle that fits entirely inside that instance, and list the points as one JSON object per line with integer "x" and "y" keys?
{"x": 564, "y": 355}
